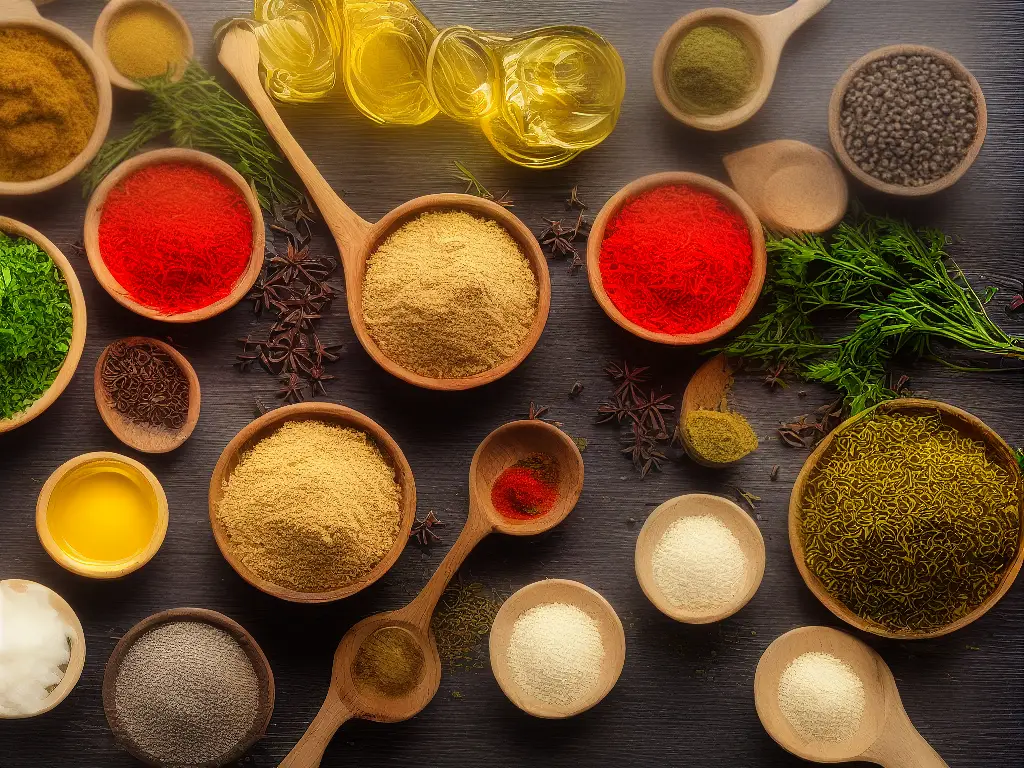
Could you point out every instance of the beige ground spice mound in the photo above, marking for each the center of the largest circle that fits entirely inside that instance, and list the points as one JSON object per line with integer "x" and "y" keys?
{"x": 313, "y": 507}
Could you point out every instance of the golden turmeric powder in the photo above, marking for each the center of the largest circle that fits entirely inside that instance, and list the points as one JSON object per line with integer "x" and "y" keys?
{"x": 48, "y": 104}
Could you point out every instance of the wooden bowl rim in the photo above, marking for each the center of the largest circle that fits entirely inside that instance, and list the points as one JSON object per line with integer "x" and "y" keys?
{"x": 211, "y": 163}
{"x": 260, "y": 665}
{"x": 999, "y": 451}
{"x": 107, "y": 16}
{"x": 609, "y": 624}
{"x": 337, "y": 415}
{"x": 116, "y": 423}
{"x": 105, "y": 107}
{"x": 90, "y": 570}
{"x": 835, "y": 108}
{"x": 76, "y": 663}
{"x": 79, "y": 324}
{"x": 759, "y": 255}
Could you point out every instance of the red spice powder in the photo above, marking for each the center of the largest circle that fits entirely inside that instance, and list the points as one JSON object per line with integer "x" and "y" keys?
{"x": 676, "y": 260}
{"x": 176, "y": 236}
{"x": 527, "y": 489}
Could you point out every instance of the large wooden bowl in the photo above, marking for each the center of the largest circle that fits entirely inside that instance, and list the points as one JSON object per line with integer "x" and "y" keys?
{"x": 78, "y": 315}
{"x": 968, "y": 425}
{"x": 835, "y": 108}
{"x": 336, "y": 415}
{"x": 638, "y": 187}
{"x": 158, "y": 157}
{"x": 107, "y": 17}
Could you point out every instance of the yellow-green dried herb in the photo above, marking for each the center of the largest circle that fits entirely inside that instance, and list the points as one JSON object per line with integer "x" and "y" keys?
{"x": 719, "y": 437}
{"x": 712, "y": 71}
{"x": 462, "y": 620}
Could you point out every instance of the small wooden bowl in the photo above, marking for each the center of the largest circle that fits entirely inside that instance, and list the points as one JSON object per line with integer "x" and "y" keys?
{"x": 336, "y": 415}
{"x": 645, "y": 184}
{"x": 557, "y": 591}
{"x": 695, "y": 505}
{"x": 968, "y": 425}
{"x": 93, "y": 570}
{"x": 158, "y": 157}
{"x": 106, "y": 18}
{"x": 21, "y": 13}
{"x": 264, "y": 675}
{"x": 835, "y": 109}
{"x": 77, "y": 661}
{"x": 78, "y": 313}
{"x": 143, "y": 437}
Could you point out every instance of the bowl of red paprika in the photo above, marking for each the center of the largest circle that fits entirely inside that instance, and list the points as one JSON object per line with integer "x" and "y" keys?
{"x": 175, "y": 235}
{"x": 676, "y": 258}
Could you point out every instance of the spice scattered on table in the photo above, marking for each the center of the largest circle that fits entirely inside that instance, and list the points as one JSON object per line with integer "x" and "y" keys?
{"x": 822, "y": 697}
{"x": 908, "y": 119}
{"x": 176, "y": 236}
{"x": 449, "y": 295}
{"x": 639, "y": 413}
{"x": 312, "y": 507}
{"x": 677, "y": 260}
{"x": 145, "y": 40}
{"x": 388, "y": 663}
{"x": 555, "y": 652}
{"x": 423, "y": 532}
{"x": 36, "y": 323}
{"x": 699, "y": 565}
{"x": 146, "y": 385}
{"x": 908, "y": 522}
{"x": 186, "y": 693}
{"x": 719, "y": 437}
{"x": 35, "y": 649}
{"x": 50, "y": 104}
{"x": 528, "y": 489}
{"x": 711, "y": 71}
{"x": 462, "y": 621}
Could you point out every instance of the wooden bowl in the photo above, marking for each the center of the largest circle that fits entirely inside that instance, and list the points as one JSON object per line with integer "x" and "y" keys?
{"x": 336, "y": 415}
{"x": 264, "y": 675}
{"x": 836, "y": 103}
{"x": 645, "y": 184}
{"x": 77, "y": 661}
{"x": 96, "y": 570}
{"x": 143, "y": 437}
{"x": 79, "y": 323}
{"x": 158, "y": 157}
{"x": 695, "y": 505}
{"x": 968, "y": 425}
{"x": 107, "y": 16}
{"x": 22, "y": 13}
{"x": 557, "y": 591}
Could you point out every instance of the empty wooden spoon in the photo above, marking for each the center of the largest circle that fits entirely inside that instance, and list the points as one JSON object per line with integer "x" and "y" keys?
{"x": 792, "y": 186}
{"x": 357, "y": 239}
{"x": 885, "y": 737}
{"x": 362, "y": 689}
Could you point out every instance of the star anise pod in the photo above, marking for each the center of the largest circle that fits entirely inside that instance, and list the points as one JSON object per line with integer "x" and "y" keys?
{"x": 574, "y": 200}
{"x": 423, "y": 530}
{"x": 322, "y": 352}
{"x": 291, "y": 392}
{"x": 289, "y": 351}
{"x": 557, "y": 238}
{"x": 618, "y": 410}
{"x": 582, "y": 227}
{"x": 628, "y": 378}
{"x": 296, "y": 261}
{"x": 317, "y": 376}
{"x": 652, "y": 409}
{"x": 642, "y": 447}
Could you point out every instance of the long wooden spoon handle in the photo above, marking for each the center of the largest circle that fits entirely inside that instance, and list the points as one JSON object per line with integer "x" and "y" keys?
{"x": 780, "y": 26}
{"x": 311, "y": 747}
{"x": 901, "y": 746}
{"x": 18, "y": 8}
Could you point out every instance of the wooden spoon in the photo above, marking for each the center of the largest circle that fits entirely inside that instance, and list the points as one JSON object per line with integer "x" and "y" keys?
{"x": 792, "y": 186}
{"x": 886, "y": 736}
{"x": 357, "y": 239}
{"x": 706, "y": 391}
{"x": 110, "y": 13}
{"x": 143, "y": 437}
{"x": 347, "y": 699}
{"x": 765, "y": 37}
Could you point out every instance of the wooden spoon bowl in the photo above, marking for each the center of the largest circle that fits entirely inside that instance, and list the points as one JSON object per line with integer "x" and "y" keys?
{"x": 358, "y": 239}
{"x": 765, "y": 37}
{"x": 107, "y": 16}
{"x": 260, "y": 665}
{"x": 78, "y": 319}
{"x": 94, "y": 213}
{"x": 967, "y": 425}
{"x": 886, "y": 736}
{"x": 706, "y": 391}
{"x": 645, "y": 184}
{"x": 143, "y": 437}
{"x": 23, "y": 13}
{"x": 76, "y": 664}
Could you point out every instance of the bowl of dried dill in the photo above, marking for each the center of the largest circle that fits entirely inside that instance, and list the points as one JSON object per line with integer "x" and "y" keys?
{"x": 906, "y": 520}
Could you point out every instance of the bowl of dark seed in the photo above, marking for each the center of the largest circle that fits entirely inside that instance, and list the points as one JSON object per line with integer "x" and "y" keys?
{"x": 907, "y": 120}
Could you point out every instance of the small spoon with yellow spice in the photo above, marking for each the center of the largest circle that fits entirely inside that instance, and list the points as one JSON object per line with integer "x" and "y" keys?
{"x": 712, "y": 435}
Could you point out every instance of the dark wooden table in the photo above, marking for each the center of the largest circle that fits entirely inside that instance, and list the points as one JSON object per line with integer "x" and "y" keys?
{"x": 685, "y": 696}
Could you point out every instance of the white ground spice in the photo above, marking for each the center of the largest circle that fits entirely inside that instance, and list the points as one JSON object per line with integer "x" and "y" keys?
{"x": 449, "y": 295}
{"x": 555, "y": 653}
{"x": 822, "y": 697}
{"x": 699, "y": 564}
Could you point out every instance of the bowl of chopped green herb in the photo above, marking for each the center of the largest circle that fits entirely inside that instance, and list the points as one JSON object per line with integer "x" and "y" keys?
{"x": 906, "y": 520}
{"x": 42, "y": 323}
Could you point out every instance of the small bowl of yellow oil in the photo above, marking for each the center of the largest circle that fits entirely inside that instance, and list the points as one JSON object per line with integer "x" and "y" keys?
{"x": 102, "y": 515}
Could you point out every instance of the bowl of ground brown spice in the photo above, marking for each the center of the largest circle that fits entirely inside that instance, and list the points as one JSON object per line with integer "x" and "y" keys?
{"x": 57, "y": 101}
